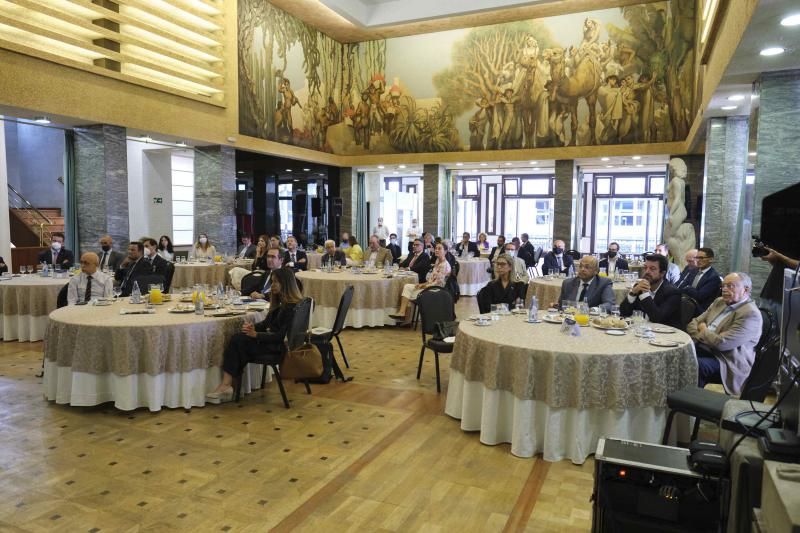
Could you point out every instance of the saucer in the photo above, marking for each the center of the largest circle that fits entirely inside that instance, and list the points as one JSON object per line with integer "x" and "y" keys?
{"x": 663, "y": 343}
{"x": 615, "y": 332}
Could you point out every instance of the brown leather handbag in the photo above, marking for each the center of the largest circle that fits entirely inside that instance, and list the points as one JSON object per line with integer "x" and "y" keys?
{"x": 304, "y": 362}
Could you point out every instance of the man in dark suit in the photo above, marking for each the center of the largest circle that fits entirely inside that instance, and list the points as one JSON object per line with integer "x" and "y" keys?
{"x": 613, "y": 261}
{"x": 588, "y": 286}
{"x": 158, "y": 264}
{"x": 332, "y": 255}
{"x": 704, "y": 283}
{"x": 109, "y": 257}
{"x": 417, "y": 261}
{"x": 691, "y": 266}
{"x": 495, "y": 253}
{"x": 57, "y": 255}
{"x": 294, "y": 258}
{"x": 466, "y": 246}
{"x": 654, "y": 295}
{"x": 134, "y": 266}
{"x": 526, "y": 251}
{"x": 248, "y": 249}
{"x": 394, "y": 248}
{"x": 556, "y": 261}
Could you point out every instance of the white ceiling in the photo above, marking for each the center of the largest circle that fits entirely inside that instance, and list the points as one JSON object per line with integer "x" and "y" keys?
{"x": 376, "y": 13}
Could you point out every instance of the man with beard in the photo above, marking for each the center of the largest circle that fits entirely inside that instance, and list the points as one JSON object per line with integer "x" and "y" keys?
{"x": 654, "y": 295}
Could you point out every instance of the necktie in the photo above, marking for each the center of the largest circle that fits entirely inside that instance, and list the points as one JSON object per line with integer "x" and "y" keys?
{"x": 103, "y": 259}
{"x": 696, "y": 279}
{"x": 88, "y": 295}
{"x": 292, "y": 257}
{"x": 55, "y": 258}
{"x": 560, "y": 264}
{"x": 582, "y": 295}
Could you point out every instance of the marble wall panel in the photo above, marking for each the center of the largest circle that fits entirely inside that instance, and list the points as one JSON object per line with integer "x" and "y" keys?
{"x": 566, "y": 173}
{"x": 215, "y": 195}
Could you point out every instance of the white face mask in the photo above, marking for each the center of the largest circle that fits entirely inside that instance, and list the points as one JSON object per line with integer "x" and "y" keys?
{"x": 56, "y": 246}
{"x": 393, "y": 241}
{"x": 512, "y": 253}
{"x": 147, "y": 251}
{"x": 203, "y": 240}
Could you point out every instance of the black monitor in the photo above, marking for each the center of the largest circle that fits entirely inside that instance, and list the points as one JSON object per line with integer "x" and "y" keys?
{"x": 790, "y": 344}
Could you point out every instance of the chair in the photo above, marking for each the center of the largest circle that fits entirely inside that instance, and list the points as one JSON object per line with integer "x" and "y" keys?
{"x": 688, "y": 310}
{"x": 326, "y": 335}
{"x": 435, "y": 305}
{"x": 574, "y": 254}
{"x": 168, "y": 275}
{"x": 532, "y": 273}
{"x": 253, "y": 282}
{"x": 708, "y": 405}
{"x": 451, "y": 284}
{"x": 537, "y": 255}
{"x": 61, "y": 299}
{"x": 295, "y": 337}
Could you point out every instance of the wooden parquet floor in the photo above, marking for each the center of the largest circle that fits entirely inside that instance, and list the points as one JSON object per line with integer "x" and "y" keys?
{"x": 375, "y": 454}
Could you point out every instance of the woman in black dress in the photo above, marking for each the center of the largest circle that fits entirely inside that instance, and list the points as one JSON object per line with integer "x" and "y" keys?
{"x": 501, "y": 290}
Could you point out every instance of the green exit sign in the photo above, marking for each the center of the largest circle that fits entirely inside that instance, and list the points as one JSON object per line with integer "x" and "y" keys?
{"x": 158, "y": 200}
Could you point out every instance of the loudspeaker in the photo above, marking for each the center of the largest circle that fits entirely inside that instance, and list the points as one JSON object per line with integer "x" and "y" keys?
{"x": 338, "y": 209}
{"x": 316, "y": 207}
{"x": 244, "y": 202}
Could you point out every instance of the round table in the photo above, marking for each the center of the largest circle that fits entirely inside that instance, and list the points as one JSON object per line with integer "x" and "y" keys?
{"x": 189, "y": 274}
{"x": 546, "y": 392}
{"x": 25, "y": 302}
{"x": 472, "y": 275}
{"x": 374, "y": 296}
{"x": 548, "y": 291}
{"x": 95, "y": 355}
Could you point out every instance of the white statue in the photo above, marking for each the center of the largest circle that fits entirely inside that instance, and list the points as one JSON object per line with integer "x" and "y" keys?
{"x": 678, "y": 235}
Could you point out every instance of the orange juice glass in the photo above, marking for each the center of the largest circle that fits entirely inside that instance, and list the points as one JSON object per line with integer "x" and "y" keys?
{"x": 582, "y": 319}
{"x": 156, "y": 296}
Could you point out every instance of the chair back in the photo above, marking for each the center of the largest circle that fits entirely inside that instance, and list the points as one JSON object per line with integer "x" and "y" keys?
{"x": 61, "y": 300}
{"x": 435, "y": 305}
{"x": 341, "y": 313}
{"x": 298, "y": 329}
{"x": 484, "y": 301}
{"x": 762, "y": 374}
{"x": 147, "y": 280}
{"x": 253, "y": 282}
{"x": 168, "y": 275}
{"x": 767, "y": 327}
{"x": 531, "y": 272}
{"x": 574, "y": 254}
{"x": 688, "y": 310}
{"x": 537, "y": 255}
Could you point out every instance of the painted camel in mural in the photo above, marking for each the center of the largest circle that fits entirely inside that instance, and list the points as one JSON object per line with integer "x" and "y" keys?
{"x": 566, "y": 91}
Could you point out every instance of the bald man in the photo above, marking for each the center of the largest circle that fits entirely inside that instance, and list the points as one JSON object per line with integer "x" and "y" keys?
{"x": 691, "y": 267}
{"x": 556, "y": 261}
{"x": 108, "y": 257}
{"x": 91, "y": 283}
{"x": 587, "y": 285}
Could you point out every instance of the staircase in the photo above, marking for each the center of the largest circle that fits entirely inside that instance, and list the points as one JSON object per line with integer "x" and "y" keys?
{"x": 31, "y": 226}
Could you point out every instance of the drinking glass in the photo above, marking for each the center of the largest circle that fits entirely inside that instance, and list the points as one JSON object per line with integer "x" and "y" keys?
{"x": 117, "y": 291}
{"x": 23, "y": 269}
{"x": 31, "y": 269}
{"x": 582, "y": 314}
{"x": 615, "y": 311}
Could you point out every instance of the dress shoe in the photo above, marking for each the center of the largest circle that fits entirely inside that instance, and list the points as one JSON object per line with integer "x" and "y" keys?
{"x": 398, "y": 316}
{"x": 219, "y": 397}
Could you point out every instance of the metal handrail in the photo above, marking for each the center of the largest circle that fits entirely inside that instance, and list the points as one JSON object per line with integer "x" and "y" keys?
{"x": 30, "y": 205}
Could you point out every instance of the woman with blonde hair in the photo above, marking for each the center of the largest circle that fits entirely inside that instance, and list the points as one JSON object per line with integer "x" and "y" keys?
{"x": 203, "y": 249}
{"x": 438, "y": 276}
{"x": 483, "y": 242}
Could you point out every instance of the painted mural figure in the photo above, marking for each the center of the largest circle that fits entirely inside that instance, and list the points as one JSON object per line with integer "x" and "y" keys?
{"x": 391, "y": 108}
{"x": 610, "y": 100}
{"x": 643, "y": 91}
{"x": 499, "y": 127}
{"x": 283, "y": 116}
{"x": 477, "y": 124}
{"x": 531, "y": 77}
{"x": 361, "y": 121}
{"x": 375, "y": 92}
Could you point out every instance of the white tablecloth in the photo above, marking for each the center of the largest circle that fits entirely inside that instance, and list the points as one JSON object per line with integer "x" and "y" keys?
{"x": 472, "y": 275}
{"x": 314, "y": 260}
{"x": 95, "y": 355}
{"x": 189, "y": 274}
{"x": 547, "y": 291}
{"x": 545, "y": 392}
{"x": 25, "y": 302}
{"x": 375, "y": 297}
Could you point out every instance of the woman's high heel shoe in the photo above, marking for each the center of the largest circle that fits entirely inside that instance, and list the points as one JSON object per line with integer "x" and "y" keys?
{"x": 219, "y": 397}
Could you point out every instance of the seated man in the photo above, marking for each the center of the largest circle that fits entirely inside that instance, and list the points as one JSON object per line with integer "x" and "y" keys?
{"x": 691, "y": 266}
{"x": 57, "y": 255}
{"x": 466, "y": 247}
{"x": 394, "y": 248}
{"x": 377, "y": 255}
{"x": 294, "y": 258}
{"x": 704, "y": 284}
{"x": 332, "y": 255}
{"x": 518, "y": 270}
{"x": 673, "y": 271}
{"x": 248, "y": 249}
{"x": 109, "y": 257}
{"x": 613, "y": 261}
{"x": 654, "y": 295}
{"x": 91, "y": 283}
{"x": 726, "y": 335}
{"x": 417, "y": 261}
{"x": 158, "y": 264}
{"x": 588, "y": 286}
{"x": 134, "y": 266}
{"x": 274, "y": 261}
{"x": 555, "y": 261}
{"x": 495, "y": 253}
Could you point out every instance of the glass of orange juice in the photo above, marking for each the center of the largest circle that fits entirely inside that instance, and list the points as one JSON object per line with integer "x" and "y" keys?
{"x": 156, "y": 294}
{"x": 582, "y": 314}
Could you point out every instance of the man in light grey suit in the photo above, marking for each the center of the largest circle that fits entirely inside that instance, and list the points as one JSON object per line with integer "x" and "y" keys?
{"x": 726, "y": 334}
{"x": 108, "y": 257}
{"x": 380, "y": 257}
{"x": 599, "y": 292}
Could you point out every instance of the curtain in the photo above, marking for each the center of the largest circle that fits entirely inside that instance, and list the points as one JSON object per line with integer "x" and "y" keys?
{"x": 360, "y": 222}
{"x": 71, "y": 200}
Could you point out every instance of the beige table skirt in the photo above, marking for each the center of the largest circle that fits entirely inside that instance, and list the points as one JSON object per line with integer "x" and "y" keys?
{"x": 547, "y": 291}
{"x": 25, "y": 302}
{"x": 472, "y": 275}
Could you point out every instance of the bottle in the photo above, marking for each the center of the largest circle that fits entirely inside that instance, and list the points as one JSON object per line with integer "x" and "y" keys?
{"x": 199, "y": 304}
{"x": 45, "y": 269}
{"x": 533, "y": 311}
{"x": 136, "y": 293}
{"x": 571, "y": 271}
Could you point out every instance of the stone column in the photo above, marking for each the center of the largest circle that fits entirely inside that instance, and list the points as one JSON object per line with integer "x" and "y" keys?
{"x": 433, "y": 194}
{"x": 726, "y": 167}
{"x": 101, "y": 187}
{"x": 5, "y": 222}
{"x": 563, "y": 204}
{"x": 777, "y": 159}
{"x": 215, "y": 195}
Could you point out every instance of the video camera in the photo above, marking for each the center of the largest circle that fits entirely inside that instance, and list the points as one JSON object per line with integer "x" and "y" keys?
{"x": 759, "y": 248}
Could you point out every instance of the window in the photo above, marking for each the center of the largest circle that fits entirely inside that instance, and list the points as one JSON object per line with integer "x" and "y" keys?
{"x": 633, "y": 216}
{"x": 182, "y": 198}
{"x": 535, "y": 187}
{"x": 629, "y": 185}
{"x": 511, "y": 187}
{"x": 285, "y": 209}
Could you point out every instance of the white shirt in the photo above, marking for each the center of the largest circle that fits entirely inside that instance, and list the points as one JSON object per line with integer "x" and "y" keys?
{"x": 166, "y": 255}
{"x": 102, "y": 285}
{"x": 382, "y": 232}
{"x": 612, "y": 264}
{"x": 413, "y": 232}
{"x": 580, "y": 288}
{"x": 373, "y": 256}
{"x": 673, "y": 273}
{"x": 645, "y": 294}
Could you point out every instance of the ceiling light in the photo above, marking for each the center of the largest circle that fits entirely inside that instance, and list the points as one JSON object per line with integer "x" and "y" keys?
{"x": 181, "y": 144}
{"x": 288, "y": 170}
{"x": 474, "y": 169}
{"x": 306, "y": 170}
{"x": 736, "y": 97}
{"x": 484, "y": 164}
{"x": 145, "y": 139}
{"x": 772, "y": 51}
{"x": 381, "y": 167}
{"x": 752, "y": 154}
{"x": 639, "y": 165}
{"x": 609, "y": 166}
{"x": 495, "y": 170}
{"x": 240, "y": 171}
{"x": 459, "y": 164}
{"x": 401, "y": 166}
{"x": 295, "y": 180}
{"x": 508, "y": 164}
{"x": 41, "y": 120}
{"x": 534, "y": 162}
{"x": 636, "y": 157}
{"x": 395, "y": 172}
{"x": 791, "y": 20}
{"x": 728, "y": 107}
{"x": 603, "y": 159}
{"x": 536, "y": 168}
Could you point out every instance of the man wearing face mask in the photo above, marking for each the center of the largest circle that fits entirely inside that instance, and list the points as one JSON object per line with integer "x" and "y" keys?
{"x": 381, "y": 231}
{"x": 394, "y": 248}
{"x": 613, "y": 261}
{"x": 519, "y": 272}
{"x": 57, "y": 255}
{"x": 108, "y": 257}
{"x": 157, "y": 263}
{"x": 556, "y": 261}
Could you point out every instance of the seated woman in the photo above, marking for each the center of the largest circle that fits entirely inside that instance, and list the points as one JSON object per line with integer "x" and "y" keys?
{"x": 265, "y": 338}
{"x": 437, "y": 277}
{"x": 260, "y": 262}
{"x": 483, "y": 243}
{"x": 165, "y": 248}
{"x": 354, "y": 251}
{"x": 332, "y": 255}
{"x": 203, "y": 249}
{"x": 501, "y": 290}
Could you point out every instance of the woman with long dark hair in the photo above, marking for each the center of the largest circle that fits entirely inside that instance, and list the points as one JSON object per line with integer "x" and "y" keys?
{"x": 260, "y": 262}
{"x": 165, "y": 248}
{"x": 266, "y": 337}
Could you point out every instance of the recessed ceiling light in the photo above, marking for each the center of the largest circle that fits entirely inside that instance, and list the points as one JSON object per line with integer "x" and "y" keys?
{"x": 240, "y": 171}
{"x": 728, "y": 107}
{"x": 484, "y": 164}
{"x": 381, "y": 167}
{"x": 507, "y": 164}
{"x": 474, "y": 169}
{"x": 636, "y": 157}
{"x": 736, "y": 97}
{"x": 752, "y": 154}
{"x": 288, "y": 170}
{"x": 41, "y": 120}
{"x": 772, "y": 51}
{"x": 639, "y": 165}
{"x": 535, "y": 168}
{"x": 401, "y": 166}
{"x": 495, "y": 170}
{"x": 603, "y": 159}
{"x": 534, "y": 162}
{"x": 395, "y": 172}
{"x": 716, "y": 125}
{"x": 609, "y": 166}
{"x": 459, "y": 164}
{"x": 306, "y": 170}
{"x": 791, "y": 20}
{"x": 181, "y": 144}
{"x": 295, "y": 180}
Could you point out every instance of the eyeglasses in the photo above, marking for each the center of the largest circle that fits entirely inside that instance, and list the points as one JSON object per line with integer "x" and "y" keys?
{"x": 701, "y": 257}
{"x": 729, "y": 285}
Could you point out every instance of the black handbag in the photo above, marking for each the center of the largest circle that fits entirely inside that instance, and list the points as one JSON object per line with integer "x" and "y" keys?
{"x": 442, "y": 330}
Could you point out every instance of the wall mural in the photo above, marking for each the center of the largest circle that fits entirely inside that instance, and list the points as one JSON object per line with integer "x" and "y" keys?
{"x": 614, "y": 76}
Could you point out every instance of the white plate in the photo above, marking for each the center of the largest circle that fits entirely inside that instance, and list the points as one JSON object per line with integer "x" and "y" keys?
{"x": 483, "y": 324}
{"x": 180, "y": 311}
{"x": 606, "y": 328}
{"x": 663, "y": 343}
{"x": 615, "y": 332}
{"x": 663, "y": 329}
{"x": 551, "y": 320}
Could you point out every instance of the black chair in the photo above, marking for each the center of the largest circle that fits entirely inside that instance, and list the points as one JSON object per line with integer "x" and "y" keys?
{"x": 435, "y": 305}
{"x": 574, "y": 254}
{"x": 295, "y": 337}
{"x": 708, "y": 405}
{"x": 537, "y": 255}
{"x": 326, "y": 335}
{"x": 61, "y": 300}
{"x": 451, "y": 284}
{"x": 168, "y": 275}
{"x": 688, "y": 310}
{"x": 253, "y": 282}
